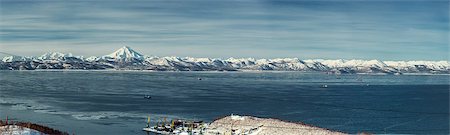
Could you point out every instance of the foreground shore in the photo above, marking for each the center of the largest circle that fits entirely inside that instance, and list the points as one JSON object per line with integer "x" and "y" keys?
{"x": 234, "y": 124}
{"x": 250, "y": 125}
{"x": 238, "y": 125}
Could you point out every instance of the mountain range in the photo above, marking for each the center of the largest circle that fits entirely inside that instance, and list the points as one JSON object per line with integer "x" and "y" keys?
{"x": 126, "y": 58}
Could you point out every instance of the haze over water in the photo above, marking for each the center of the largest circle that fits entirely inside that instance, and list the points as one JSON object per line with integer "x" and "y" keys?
{"x": 112, "y": 102}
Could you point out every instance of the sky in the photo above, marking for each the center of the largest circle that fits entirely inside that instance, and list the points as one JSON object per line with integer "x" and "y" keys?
{"x": 305, "y": 29}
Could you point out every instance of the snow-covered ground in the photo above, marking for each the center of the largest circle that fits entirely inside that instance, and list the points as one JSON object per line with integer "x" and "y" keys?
{"x": 248, "y": 125}
{"x": 18, "y": 130}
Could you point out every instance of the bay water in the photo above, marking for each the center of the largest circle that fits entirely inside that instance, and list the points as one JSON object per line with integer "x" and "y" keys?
{"x": 112, "y": 102}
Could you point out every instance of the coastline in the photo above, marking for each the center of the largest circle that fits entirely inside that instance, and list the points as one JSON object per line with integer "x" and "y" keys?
{"x": 215, "y": 71}
{"x": 234, "y": 124}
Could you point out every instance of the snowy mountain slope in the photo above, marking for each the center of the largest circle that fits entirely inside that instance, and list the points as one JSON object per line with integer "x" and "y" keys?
{"x": 54, "y": 56}
{"x": 127, "y": 58}
{"x": 419, "y": 66}
{"x": 124, "y": 53}
{"x": 92, "y": 59}
{"x": 15, "y": 59}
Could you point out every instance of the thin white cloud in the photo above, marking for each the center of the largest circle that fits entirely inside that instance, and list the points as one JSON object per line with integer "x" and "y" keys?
{"x": 255, "y": 29}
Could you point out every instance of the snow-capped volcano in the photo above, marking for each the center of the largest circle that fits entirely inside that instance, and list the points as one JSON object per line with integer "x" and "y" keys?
{"x": 125, "y": 53}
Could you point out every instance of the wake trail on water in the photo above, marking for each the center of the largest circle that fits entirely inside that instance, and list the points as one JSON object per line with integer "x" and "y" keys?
{"x": 19, "y": 104}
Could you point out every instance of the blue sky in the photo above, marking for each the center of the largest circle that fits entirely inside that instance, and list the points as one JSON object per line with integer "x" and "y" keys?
{"x": 306, "y": 29}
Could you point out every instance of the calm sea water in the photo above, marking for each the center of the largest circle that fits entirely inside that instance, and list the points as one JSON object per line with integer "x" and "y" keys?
{"x": 112, "y": 102}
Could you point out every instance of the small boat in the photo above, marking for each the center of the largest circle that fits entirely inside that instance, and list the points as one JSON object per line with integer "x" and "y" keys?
{"x": 152, "y": 129}
{"x": 325, "y": 86}
{"x": 147, "y": 97}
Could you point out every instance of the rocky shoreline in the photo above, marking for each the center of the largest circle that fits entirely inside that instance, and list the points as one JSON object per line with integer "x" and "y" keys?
{"x": 19, "y": 128}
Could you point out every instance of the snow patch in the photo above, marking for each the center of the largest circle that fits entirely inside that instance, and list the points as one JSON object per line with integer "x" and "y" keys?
{"x": 237, "y": 117}
{"x": 18, "y": 130}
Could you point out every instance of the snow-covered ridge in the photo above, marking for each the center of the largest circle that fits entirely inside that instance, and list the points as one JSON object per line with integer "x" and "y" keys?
{"x": 15, "y": 58}
{"x": 54, "y": 56}
{"x": 127, "y": 58}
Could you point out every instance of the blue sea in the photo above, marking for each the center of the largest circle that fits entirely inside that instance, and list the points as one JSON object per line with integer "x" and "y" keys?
{"x": 112, "y": 102}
